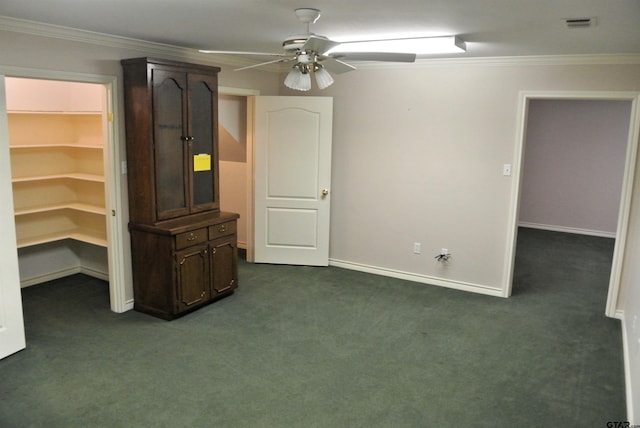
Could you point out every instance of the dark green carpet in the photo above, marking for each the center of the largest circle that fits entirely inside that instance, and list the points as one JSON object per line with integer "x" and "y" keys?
{"x": 327, "y": 347}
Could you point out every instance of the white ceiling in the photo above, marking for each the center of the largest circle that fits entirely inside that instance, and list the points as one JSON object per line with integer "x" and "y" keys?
{"x": 491, "y": 28}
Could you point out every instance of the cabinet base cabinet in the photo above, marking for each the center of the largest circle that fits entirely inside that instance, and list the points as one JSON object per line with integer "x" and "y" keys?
{"x": 192, "y": 277}
{"x": 180, "y": 266}
{"x": 224, "y": 265}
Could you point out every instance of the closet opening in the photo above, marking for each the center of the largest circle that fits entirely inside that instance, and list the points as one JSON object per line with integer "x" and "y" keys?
{"x": 58, "y": 133}
{"x": 232, "y": 147}
{"x": 235, "y": 130}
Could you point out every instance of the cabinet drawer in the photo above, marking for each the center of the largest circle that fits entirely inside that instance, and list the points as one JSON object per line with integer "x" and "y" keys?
{"x": 222, "y": 229}
{"x": 188, "y": 239}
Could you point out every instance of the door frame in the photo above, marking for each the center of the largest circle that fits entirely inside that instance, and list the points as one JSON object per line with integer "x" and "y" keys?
{"x": 248, "y": 94}
{"x": 12, "y": 330}
{"x": 114, "y": 212}
{"x": 624, "y": 211}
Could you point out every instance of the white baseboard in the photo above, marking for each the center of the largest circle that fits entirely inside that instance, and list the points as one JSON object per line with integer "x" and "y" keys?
{"x": 553, "y": 228}
{"x": 128, "y": 305}
{"x": 424, "y": 279}
{"x": 627, "y": 369}
{"x": 48, "y": 277}
{"x": 95, "y": 273}
{"x": 61, "y": 274}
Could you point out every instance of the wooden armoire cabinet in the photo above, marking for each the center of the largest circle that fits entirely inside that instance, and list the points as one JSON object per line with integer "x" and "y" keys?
{"x": 184, "y": 249}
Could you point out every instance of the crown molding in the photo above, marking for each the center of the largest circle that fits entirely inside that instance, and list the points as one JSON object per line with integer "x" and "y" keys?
{"x": 540, "y": 60}
{"x": 66, "y": 33}
{"x": 182, "y": 53}
{"x": 102, "y": 39}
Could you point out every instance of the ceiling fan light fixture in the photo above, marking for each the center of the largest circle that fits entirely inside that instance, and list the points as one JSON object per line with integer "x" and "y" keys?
{"x": 292, "y": 78}
{"x": 323, "y": 78}
{"x": 304, "y": 82}
{"x": 417, "y": 45}
{"x": 298, "y": 79}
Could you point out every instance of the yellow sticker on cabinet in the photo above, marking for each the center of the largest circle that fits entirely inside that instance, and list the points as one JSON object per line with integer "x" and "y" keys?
{"x": 202, "y": 162}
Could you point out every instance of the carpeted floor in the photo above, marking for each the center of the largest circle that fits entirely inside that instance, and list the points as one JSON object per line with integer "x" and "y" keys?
{"x": 328, "y": 347}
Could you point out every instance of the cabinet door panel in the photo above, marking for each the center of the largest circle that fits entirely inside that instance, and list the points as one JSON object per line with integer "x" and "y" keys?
{"x": 224, "y": 265}
{"x": 203, "y": 129}
{"x": 170, "y": 157}
{"x": 193, "y": 277}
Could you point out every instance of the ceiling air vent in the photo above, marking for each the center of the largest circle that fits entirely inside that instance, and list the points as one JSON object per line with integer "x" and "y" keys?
{"x": 579, "y": 22}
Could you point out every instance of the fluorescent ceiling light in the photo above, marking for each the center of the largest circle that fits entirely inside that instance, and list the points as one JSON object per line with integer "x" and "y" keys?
{"x": 419, "y": 46}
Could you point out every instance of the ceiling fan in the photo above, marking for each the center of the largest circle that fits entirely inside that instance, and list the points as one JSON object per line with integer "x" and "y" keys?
{"x": 312, "y": 53}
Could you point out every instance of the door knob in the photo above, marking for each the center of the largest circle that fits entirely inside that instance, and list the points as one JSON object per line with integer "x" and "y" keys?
{"x": 325, "y": 192}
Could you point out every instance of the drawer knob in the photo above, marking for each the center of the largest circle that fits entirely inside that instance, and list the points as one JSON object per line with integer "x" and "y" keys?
{"x": 192, "y": 237}
{"x": 223, "y": 228}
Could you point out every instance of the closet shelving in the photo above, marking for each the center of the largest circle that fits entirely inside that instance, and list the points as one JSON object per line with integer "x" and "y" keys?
{"x": 57, "y": 165}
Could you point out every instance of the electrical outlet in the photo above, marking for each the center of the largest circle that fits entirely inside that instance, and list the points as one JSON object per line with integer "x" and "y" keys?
{"x": 417, "y": 248}
{"x": 444, "y": 255}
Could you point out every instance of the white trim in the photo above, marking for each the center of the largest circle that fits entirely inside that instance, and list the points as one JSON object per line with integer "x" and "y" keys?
{"x": 514, "y": 206}
{"x": 542, "y": 60}
{"x": 424, "y": 279}
{"x": 625, "y": 207}
{"x": 566, "y": 229}
{"x": 24, "y": 283}
{"x": 627, "y": 186}
{"x": 50, "y": 276}
{"x": 117, "y": 265}
{"x": 150, "y": 48}
{"x": 176, "y": 52}
{"x": 249, "y": 94}
{"x": 115, "y": 215}
{"x": 12, "y": 332}
{"x": 94, "y": 273}
{"x": 34, "y": 73}
{"x": 240, "y": 92}
{"x": 627, "y": 368}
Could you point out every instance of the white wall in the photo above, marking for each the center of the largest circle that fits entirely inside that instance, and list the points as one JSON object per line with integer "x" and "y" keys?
{"x": 418, "y": 155}
{"x": 574, "y": 162}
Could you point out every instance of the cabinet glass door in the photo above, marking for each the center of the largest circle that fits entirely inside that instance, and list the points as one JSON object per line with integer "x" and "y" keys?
{"x": 170, "y": 156}
{"x": 204, "y": 153}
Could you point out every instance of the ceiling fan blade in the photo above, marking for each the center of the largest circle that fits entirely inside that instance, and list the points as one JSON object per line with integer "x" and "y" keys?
{"x": 376, "y": 56}
{"x": 335, "y": 65}
{"x": 241, "y": 53}
{"x": 264, "y": 63}
{"x": 319, "y": 44}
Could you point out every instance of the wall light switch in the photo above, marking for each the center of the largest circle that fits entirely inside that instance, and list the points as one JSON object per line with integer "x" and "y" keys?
{"x": 417, "y": 248}
{"x": 506, "y": 169}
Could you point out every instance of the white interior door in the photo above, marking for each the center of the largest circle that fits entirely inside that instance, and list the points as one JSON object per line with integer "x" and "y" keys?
{"x": 292, "y": 178}
{"x": 12, "y": 337}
